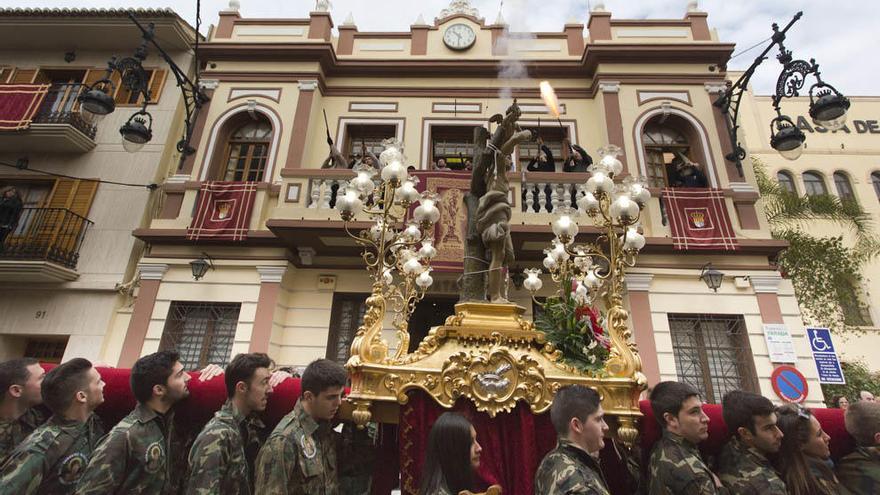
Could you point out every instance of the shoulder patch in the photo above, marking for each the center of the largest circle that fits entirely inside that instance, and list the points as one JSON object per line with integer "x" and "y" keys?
{"x": 154, "y": 457}
{"x": 72, "y": 468}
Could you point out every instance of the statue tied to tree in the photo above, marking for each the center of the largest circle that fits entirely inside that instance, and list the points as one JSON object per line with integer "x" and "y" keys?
{"x": 488, "y": 245}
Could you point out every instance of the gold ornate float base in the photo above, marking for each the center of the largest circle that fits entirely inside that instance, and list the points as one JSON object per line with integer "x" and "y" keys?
{"x": 491, "y": 355}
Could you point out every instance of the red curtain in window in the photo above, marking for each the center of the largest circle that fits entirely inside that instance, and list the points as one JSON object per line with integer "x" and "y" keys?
{"x": 19, "y": 103}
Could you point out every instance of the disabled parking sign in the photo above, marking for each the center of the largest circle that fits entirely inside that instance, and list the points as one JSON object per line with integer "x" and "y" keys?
{"x": 825, "y": 356}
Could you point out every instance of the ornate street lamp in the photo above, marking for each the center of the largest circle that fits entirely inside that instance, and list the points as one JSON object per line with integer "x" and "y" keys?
{"x": 711, "y": 276}
{"x": 828, "y": 106}
{"x": 397, "y": 254}
{"x": 597, "y": 269}
{"x": 96, "y": 101}
{"x": 201, "y": 265}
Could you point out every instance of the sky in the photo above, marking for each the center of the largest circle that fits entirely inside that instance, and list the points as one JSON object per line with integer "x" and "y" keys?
{"x": 842, "y": 36}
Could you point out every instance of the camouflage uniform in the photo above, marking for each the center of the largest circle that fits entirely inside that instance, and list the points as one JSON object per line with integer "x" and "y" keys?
{"x": 15, "y": 431}
{"x": 52, "y": 458}
{"x": 133, "y": 457}
{"x": 746, "y": 471}
{"x": 299, "y": 458}
{"x": 860, "y": 471}
{"x": 677, "y": 469}
{"x": 569, "y": 470}
{"x": 222, "y": 458}
{"x": 824, "y": 473}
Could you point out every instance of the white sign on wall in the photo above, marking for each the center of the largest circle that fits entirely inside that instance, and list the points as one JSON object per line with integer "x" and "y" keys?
{"x": 779, "y": 343}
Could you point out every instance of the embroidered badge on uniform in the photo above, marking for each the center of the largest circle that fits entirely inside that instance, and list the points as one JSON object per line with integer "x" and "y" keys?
{"x": 154, "y": 457}
{"x": 72, "y": 468}
{"x": 308, "y": 446}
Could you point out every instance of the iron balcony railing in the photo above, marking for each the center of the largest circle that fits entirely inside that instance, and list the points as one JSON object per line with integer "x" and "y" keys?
{"x": 60, "y": 107}
{"x": 46, "y": 234}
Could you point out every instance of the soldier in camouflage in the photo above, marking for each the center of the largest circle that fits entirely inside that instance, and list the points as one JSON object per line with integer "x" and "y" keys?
{"x": 221, "y": 460}
{"x": 676, "y": 467}
{"x": 743, "y": 465}
{"x": 21, "y": 411}
{"x": 859, "y": 471}
{"x": 134, "y": 456}
{"x": 571, "y": 467}
{"x": 52, "y": 458}
{"x": 299, "y": 458}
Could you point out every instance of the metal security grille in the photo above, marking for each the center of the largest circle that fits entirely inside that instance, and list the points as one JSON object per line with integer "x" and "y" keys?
{"x": 348, "y": 314}
{"x": 201, "y": 332}
{"x": 47, "y": 351}
{"x": 712, "y": 353}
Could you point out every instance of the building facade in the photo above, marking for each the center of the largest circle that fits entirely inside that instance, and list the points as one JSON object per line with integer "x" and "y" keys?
{"x": 68, "y": 259}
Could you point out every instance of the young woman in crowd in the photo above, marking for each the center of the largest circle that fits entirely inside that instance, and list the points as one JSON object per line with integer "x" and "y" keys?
{"x": 452, "y": 456}
{"x": 804, "y": 458}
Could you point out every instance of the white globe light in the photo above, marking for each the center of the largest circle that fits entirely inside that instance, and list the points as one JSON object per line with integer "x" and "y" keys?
{"x": 350, "y": 202}
{"x": 413, "y": 266}
{"x": 428, "y": 251}
{"x": 591, "y": 279}
{"x": 391, "y": 154}
{"x": 633, "y": 240}
{"x": 588, "y": 203}
{"x": 565, "y": 227}
{"x": 611, "y": 164}
{"x": 412, "y": 232}
{"x": 394, "y": 172}
{"x": 624, "y": 209}
{"x": 424, "y": 280}
{"x": 549, "y": 262}
{"x": 532, "y": 283}
{"x": 407, "y": 192}
{"x": 640, "y": 194}
{"x": 427, "y": 210}
{"x": 600, "y": 183}
{"x": 559, "y": 253}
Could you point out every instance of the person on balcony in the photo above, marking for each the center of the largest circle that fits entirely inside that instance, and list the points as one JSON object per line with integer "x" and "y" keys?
{"x": 441, "y": 165}
{"x": 21, "y": 409}
{"x": 572, "y": 467}
{"x": 544, "y": 161}
{"x": 859, "y": 471}
{"x": 578, "y": 159}
{"x": 743, "y": 464}
{"x": 452, "y": 456}
{"x": 686, "y": 173}
{"x": 676, "y": 467}
{"x": 10, "y": 211}
{"x": 804, "y": 459}
{"x": 336, "y": 160}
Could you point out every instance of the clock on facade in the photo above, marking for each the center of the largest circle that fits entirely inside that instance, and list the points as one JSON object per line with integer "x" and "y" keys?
{"x": 459, "y": 37}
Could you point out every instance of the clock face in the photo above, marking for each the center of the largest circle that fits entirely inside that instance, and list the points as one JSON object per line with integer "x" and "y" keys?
{"x": 459, "y": 36}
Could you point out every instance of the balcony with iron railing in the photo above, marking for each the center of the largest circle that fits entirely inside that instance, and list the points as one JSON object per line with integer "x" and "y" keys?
{"x": 43, "y": 245}
{"x": 57, "y": 126}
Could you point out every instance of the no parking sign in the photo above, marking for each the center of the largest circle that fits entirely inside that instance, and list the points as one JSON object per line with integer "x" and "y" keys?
{"x": 789, "y": 384}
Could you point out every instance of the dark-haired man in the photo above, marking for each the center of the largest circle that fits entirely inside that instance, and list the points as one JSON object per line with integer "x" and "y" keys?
{"x": 859, "y": 471}
{"x": 222, "y": 458}
{"x": 676, "y": 467}
{"x": 299, "y": 458}
{"x": 20, "y": 402}
{"x": 134, "y": 456}
{"x": 570, "y": 468}
{"x": 52, "y": 459}
{"x": 743, "y": 465}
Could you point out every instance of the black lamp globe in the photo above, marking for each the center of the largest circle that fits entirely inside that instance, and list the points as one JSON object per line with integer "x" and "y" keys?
{"x": 95, "y": 104}
{"x": 788, "y": 140}
{"x": 200, "y": 266}
{"x": 829, "y": 110}
{"x": 136, "y": 132}
{"x": 711, "y": 277}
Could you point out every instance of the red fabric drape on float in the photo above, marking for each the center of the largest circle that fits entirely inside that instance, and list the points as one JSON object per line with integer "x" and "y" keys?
{"x": 223, "y": 211}
{"x": 450, "y": 231}
{"x": 19, "y": 103}
{"x": 698, "y": 219}
{"x": 513, "y": 443}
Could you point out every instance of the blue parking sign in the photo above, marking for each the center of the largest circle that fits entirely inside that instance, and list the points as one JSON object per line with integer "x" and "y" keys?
{"x": 825, "y": 356}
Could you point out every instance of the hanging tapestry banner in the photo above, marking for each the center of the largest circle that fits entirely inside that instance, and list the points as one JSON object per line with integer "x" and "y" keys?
{"x": 450, "y": 231}
{"x": 698, "y": 219}
{"x": 19, "y": 103}
{"x": 223, "y": 211}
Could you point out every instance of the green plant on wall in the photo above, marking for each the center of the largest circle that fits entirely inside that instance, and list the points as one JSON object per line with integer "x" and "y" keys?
{"x": 824, "y": 272}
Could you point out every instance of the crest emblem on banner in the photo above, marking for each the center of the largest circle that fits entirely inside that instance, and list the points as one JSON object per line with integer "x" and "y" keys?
{"x": 698, "y": 219}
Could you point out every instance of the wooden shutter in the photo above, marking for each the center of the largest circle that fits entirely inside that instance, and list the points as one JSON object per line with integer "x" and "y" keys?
{"x": 42, "y": 78}
{"x": 23, "y": 76}
{"x": 73, "y": 194}
{"x": 58, "y": 229}
{"x": 5, "y": 72}
{"x": 157, "y": 83}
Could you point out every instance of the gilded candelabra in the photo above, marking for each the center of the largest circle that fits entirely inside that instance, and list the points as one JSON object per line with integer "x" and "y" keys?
{"x": 397, "y": 254}
{"x": 596, "y": 270}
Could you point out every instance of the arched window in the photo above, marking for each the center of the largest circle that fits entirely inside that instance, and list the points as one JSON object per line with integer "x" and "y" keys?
{"x": 843, "y": 186}
{"x": 247, "y": 151}
{"x": 672, "y": 153}
{"x": 786, "y": 181}
{"x": 813, "y": 184}
{"x": 875, "y": 180}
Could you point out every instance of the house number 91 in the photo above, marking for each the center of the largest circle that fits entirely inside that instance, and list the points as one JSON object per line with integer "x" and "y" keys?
{"x": 39, "y": 315}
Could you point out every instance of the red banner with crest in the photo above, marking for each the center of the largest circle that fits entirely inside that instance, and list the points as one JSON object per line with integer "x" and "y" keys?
{"x": 450, "y": 231}
{"x": 698, "y": 219}
{"x": 223, "y": 211}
